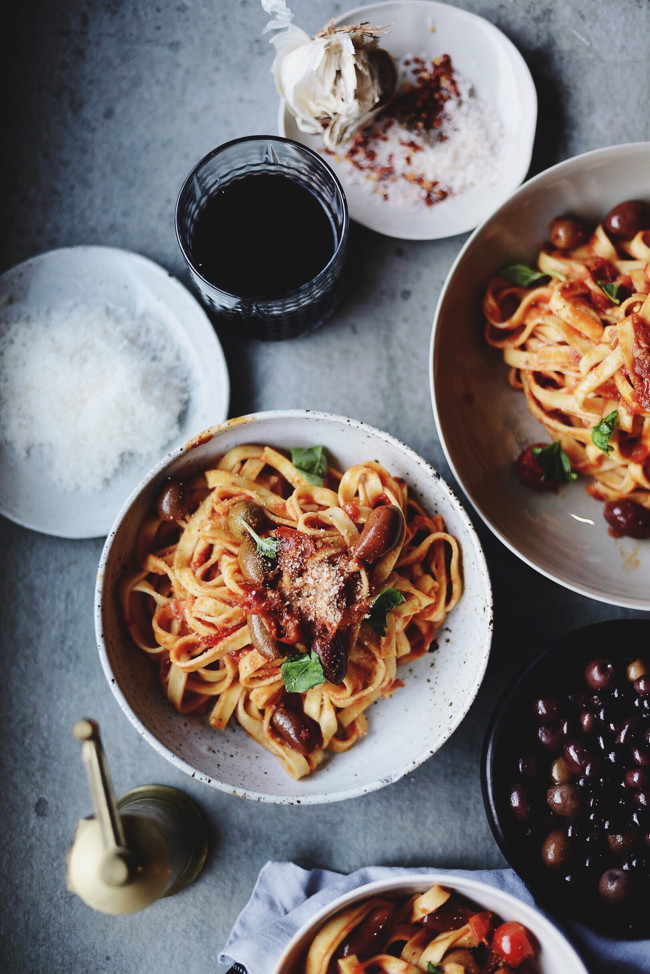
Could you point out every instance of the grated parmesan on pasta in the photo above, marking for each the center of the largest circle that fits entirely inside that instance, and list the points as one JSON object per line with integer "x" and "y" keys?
{"x": 89, "y": 387}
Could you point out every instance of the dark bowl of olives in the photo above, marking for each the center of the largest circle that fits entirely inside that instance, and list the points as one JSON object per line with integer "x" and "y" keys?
{"x": 566, "y": 776}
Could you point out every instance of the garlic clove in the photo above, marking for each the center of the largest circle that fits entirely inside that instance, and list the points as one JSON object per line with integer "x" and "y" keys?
{"x": 334, "y": 82}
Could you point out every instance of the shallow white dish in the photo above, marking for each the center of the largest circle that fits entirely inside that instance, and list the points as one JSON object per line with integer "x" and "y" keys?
{"x": 126, "y": 282}
{"x": 404, "y": 730}
{"x": 483, "y": 423}
{"x": 555, "y": 953}
{"x": 486, "y": 57}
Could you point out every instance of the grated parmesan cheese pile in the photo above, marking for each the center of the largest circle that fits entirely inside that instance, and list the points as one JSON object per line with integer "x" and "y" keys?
{"x": 89, "y": 387}
{"x": 408, "y": 159}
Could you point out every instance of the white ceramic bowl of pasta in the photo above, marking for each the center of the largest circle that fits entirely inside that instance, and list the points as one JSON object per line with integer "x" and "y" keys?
{"x": 554, "y": 951}
{"x": 404, "y": 730}
{"x": 483, "y": 423}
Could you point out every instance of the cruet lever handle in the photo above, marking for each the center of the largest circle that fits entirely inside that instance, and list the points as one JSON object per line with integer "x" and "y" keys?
{"x": 118, "y": 863}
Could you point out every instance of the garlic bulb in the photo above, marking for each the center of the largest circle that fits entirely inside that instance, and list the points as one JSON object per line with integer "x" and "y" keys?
{"x": 334, "y": 82}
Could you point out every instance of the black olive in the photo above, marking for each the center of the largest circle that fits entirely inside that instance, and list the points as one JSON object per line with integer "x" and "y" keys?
{"x": 297, "y": 730}
{"x": 599, "y": 674}
{"x": 332, "y": 651}
{"x": 622, "y": 842}
{"x": 567, "y": 232}
{"x": 556, "y": 850}
{"x": 262, "y": 638}
{"x": 173, "y": 501}
{"x": 565, "y": 799}
{"x": 626, "y": 517}
{"x": 520, "y": 802}
{"x": 576, "y": 756}
{"x": 615, "y": 886}
{"x": 625, "y": 220}
{"x": 551, "y": 737}
{"x": 547, "y": 709}
{"x": 528, "y": 766}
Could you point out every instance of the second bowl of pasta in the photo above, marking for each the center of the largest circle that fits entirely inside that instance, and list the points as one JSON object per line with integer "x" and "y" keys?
{"x": 540, "y": 373}
{"x": 270, "y": 604}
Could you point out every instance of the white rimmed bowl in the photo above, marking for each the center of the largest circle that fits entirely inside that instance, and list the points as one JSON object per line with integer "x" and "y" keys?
{"x": 404, "y": 730}
{"x": 555, "y": 952}
{"x": 500, "y": 77}
{"x": 483, "y": 423}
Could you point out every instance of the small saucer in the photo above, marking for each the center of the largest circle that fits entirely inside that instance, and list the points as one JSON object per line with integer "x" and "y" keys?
{"x": 129, "y": 286}
{"x": 500, "y": 78}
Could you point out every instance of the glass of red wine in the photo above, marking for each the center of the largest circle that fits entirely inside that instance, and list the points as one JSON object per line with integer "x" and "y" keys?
{"x": 262, "y": 223}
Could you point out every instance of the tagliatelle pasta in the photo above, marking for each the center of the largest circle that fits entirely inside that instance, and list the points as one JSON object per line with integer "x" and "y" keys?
{"x": 288, "y": 606}
{"x": 437, "y": 930}
{"x": 578, "y": 346}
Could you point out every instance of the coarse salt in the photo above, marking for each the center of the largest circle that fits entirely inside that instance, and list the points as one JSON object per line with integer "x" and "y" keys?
{"x": 89, "y": 388}
{"x": 447, "y": 152}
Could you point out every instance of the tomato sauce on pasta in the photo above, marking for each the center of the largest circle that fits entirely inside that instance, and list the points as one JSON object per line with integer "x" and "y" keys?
{"x": 437, "y": 930}
{"x": 576, "y": 337}
{"x": 288, "y": 605}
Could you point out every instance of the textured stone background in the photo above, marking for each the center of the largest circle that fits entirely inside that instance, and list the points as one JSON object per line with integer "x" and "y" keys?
{"x": 105, "y": 106}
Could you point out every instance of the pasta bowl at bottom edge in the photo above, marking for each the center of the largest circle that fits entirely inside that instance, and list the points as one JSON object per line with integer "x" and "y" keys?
{"x": 554, "y": 953}
{"x": 404, "y": 729}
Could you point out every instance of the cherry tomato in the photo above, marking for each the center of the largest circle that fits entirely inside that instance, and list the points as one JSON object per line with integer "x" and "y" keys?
{"x": 530, "y": 472}
{"x": 512, "y": 943}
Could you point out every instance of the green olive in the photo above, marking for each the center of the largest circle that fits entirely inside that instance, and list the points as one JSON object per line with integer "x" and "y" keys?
{"x": 261, "y": 636}
{"x": 242, "y": 513}
{"x": 251, "y": 561}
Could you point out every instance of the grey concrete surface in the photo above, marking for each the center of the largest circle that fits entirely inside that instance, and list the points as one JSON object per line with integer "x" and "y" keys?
{"x": 106, "y": 104}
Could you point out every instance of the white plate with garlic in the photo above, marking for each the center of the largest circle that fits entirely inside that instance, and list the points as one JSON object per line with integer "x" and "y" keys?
{"x": 430, "y": 156}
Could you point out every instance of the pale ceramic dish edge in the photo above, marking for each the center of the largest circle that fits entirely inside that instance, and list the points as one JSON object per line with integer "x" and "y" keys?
{"x": 562, "y": 535}
{"x": 556, "y": 954}
{"x": 486, "y": 57}
{"x": 126, "y": 281}
{"x": 404, "y": 730}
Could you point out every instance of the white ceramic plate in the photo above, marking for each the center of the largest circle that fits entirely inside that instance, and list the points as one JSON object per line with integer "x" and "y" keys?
{"x": 486, "y": 57}
{"x": 126, "y": 282}
{"x": 483, "y": 423}
{"x": 404, "y": 730}
{"x": 555, "y": 953}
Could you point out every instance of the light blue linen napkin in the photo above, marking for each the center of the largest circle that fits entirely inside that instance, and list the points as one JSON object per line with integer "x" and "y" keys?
{"x": 285, "y": 896}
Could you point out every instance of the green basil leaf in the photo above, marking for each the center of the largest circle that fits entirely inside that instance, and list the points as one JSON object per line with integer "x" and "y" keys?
{"x": 602, "y": 431}
{"x": 311, "y": 461}
{"x": 522, "y": 275}
{"x": 558, "y": 275}
{"x": 555, "y": 463}
{"x": 433, "y": 968}
{"x": 611, "y": 289}
{"x": 302, "y": 671}
{"x": 265, "y": 546}
{"x": 380, "y": 608}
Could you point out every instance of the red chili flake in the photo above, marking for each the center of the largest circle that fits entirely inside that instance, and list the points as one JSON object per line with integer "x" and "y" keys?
{"x": 418, "y": 108}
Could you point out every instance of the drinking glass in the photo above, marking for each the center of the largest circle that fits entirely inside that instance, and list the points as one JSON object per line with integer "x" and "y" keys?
{"x": 298, "y": 309}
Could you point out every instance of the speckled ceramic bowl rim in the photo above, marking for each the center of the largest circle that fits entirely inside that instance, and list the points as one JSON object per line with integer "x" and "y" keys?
{"x": 485, "y": 895}
{"x": 563, "y": 644}
{"x": 325, "y": 797}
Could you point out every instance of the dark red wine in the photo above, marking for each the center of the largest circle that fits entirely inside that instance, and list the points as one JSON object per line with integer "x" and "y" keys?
{"x": 262, "y": 235}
